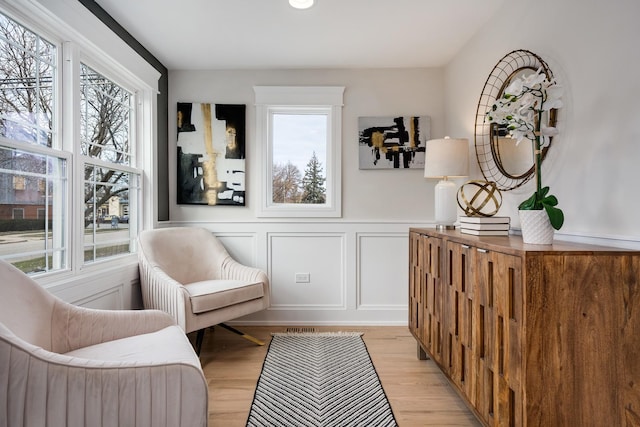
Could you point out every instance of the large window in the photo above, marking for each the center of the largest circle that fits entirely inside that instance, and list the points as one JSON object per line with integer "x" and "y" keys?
{"x": 33, "y": 174}
{"x": 49, "y": 221}
{"x": 299, "y": 134}
{"x": 111, "y": 185}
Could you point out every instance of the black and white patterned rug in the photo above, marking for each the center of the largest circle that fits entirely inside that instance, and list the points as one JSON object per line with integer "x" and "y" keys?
{"x": 319, "y": 379}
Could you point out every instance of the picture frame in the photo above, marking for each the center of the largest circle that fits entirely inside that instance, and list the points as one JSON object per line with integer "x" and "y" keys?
{"x": 394, "y": 142}
{"x": 211, "y": 166}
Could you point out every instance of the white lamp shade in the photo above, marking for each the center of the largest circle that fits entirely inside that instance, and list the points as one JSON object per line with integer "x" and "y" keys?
{"x": 447, "y": 157}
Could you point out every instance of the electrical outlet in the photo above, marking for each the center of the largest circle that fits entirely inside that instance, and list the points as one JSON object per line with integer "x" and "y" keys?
{"x": 303, "y": 277}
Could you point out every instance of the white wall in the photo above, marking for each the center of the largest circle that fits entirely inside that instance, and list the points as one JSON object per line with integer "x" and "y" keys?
{"x": 358, "y": 264}
{"x": 366, "y": 195}
{"x": 592, "y": 50}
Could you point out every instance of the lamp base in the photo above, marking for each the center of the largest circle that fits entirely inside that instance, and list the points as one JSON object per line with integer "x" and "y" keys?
{"x": 446, "y": 208}
{"x": 442, "y": 227}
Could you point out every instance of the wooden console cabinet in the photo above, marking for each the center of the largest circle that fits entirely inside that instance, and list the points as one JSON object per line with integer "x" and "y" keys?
{"x": 530, "y": 335}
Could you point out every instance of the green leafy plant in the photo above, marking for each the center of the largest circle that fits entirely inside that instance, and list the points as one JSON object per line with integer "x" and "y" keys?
{"x": 541, "y": 199}
{"x": 521, "y": 111}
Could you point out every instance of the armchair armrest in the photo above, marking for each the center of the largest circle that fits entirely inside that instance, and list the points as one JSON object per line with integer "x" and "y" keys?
{"x": 74, "y": 327}
{"x": 161, "y": 292}
{"x": 233, "y": 270}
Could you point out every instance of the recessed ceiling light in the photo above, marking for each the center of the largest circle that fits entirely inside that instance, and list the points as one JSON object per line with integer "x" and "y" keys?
{"x": 301, "y": 4}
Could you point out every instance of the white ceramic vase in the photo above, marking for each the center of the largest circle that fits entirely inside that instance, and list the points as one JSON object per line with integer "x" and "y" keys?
{"x": 536, "y": 227}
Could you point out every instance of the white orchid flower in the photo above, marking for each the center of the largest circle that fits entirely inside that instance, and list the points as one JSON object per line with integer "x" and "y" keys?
{"x": 515, "y": 88}
{"x": 526, "y": 102}
{"x": 499, "y": 115}
{"x": 534, "y": 79}
{"x": 525, "y": 117}
{"x": 519, "y": 135}
{"x": 554, "y": 93}
{"x": 523, "y": 102}
{"x": 548, "y": 130}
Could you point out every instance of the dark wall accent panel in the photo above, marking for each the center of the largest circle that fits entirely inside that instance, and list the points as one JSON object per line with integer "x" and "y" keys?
{"x": 163, "y": 104}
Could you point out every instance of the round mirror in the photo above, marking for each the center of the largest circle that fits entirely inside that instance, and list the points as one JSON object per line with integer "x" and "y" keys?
{"x": 500, "y": 158}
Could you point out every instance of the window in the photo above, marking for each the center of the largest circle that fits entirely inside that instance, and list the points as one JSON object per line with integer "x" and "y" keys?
{"x": 299, "y": 147}
{"x": 299, "y": 134}
{"x": 42, "y": 209}
{"x": 28, "y": 74}
{"x": 111, "y": 185}
{"x": 28, "y": 71}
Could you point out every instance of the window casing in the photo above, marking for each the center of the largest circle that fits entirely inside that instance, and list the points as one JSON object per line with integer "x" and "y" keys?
{"x": 299, "y": 131}
{"x": 64, "y": 183}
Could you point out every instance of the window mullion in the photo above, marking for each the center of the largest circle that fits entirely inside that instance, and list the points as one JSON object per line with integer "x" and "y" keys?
{"x": 70, "y": 98}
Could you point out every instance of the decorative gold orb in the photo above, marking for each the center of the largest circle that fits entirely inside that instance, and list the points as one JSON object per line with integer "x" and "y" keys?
{"x": 485, "y": 200}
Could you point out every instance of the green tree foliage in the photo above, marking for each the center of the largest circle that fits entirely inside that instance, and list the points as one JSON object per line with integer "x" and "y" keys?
{"x": 313, "y": 189}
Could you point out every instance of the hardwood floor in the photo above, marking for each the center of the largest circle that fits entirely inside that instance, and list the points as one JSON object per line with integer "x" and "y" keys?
{"x": 418, "y": 392}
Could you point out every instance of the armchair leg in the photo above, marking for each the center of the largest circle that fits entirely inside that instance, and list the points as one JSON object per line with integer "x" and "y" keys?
{"x": 199, "y": 339}
{"x": 242, "y": 334}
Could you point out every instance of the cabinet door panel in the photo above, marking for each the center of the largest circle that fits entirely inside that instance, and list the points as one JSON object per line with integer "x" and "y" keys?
{"x": 433, "y": 296}
{"x": 415, "y": 272}
{"x": 460, "y": 320}
{"x": 425, "y": 294}
{"x": 499, "y": 299}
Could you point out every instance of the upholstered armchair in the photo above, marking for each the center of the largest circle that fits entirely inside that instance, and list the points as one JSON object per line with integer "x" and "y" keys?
{"x": 63, "y": 365}
{"x": 187, "y": 272}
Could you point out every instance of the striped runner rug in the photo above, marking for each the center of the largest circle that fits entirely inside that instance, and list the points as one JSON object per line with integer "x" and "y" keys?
{"x": 319, "y": 379}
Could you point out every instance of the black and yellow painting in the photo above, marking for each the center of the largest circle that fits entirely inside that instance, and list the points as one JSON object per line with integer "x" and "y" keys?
{"x": 211, "y": 154}
{"x": 395, "y": 142}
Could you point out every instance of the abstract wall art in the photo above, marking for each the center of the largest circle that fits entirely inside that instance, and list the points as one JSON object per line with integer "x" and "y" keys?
{"x": 396, "y": 142}
{"x": 211, "y": 154}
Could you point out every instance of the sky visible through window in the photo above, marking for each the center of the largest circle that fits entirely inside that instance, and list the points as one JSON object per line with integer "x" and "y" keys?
{"x": 297, "y": 136}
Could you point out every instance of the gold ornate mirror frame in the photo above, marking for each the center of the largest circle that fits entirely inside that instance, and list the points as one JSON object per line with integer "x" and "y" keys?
{"x": 490, "y": 151}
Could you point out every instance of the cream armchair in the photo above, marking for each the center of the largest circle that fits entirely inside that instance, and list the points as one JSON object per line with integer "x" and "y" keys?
{"x": 187, "y": 272}
{"x": 63, "y": 365}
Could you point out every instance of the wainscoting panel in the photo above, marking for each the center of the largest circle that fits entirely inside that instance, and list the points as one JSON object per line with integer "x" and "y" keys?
{"x": 357, "y": 269}
{"x": 104, "y": 300}
{"x": 241, "y": 246}
{"x": 112, "y": 285}
{"x": 382, "y": 271}
{"x": 307, "y": 271}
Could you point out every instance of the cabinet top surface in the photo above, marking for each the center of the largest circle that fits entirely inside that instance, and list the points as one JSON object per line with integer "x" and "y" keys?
{"x": 514, "y": 243}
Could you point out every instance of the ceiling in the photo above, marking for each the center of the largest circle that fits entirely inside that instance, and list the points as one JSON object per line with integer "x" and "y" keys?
{"x": 269, "y": 34}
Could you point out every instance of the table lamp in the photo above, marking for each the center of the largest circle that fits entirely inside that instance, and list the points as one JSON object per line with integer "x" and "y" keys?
{"x": 446, "y": 158}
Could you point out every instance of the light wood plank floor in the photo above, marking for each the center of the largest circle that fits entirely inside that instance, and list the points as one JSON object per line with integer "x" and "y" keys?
{"x": 418, "y": 392}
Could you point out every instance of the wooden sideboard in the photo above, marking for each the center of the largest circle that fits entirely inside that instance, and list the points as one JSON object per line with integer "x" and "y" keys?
{"x": 530, "y": 335}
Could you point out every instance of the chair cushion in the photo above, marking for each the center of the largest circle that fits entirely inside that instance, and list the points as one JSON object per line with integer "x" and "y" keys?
{"x": 210, "y": 295}
{"x": 168, "y": 345}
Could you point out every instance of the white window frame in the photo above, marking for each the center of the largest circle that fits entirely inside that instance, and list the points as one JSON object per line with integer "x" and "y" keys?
{"x": 118, "y": 63}
{"x": 270, "y": 100}
{"x": 136, "y": 168}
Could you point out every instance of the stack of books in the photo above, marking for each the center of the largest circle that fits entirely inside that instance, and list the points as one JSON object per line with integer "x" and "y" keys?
{"x": 485, "y": 226}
